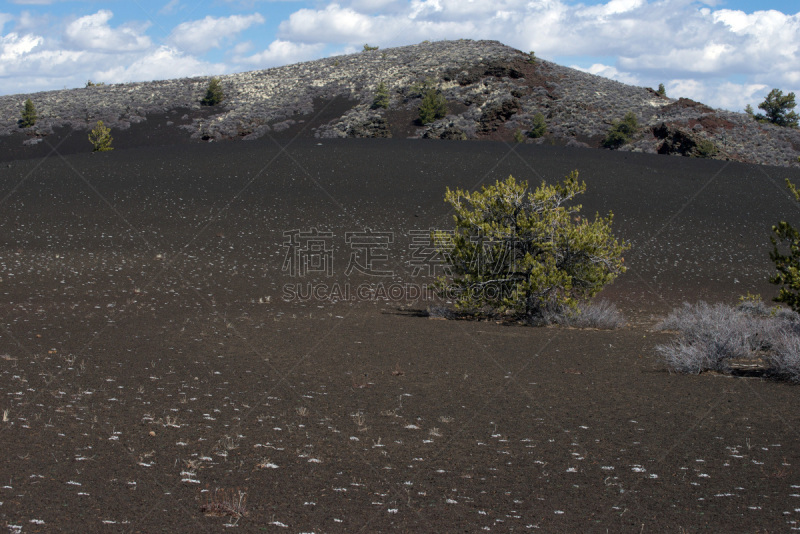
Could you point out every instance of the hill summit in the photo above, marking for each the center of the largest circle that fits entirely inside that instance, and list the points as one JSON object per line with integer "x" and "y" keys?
{"x": 492, "y": 91}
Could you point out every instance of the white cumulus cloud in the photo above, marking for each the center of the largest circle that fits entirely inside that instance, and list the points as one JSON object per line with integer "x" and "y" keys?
{"x": 607, "y": 71}
{"x": 160, "y": 64}
{"x": 332, "y": 24}
{"x": 281, "y": 53}
{"x": 92, "y": 32}
{"x": 14, "y": 47}
{"x": 202, "y": 35}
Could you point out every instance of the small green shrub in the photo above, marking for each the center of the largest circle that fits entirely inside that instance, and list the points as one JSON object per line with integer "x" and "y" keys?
{"x": 705, "y": 149}
{"x": 214, "y": 93}
{"x": 526, "y": 253}
{"x": 101, "y": 138}
{"x": 433, "y": 106}
{"x": 662, "y": 90}
{"x": 538, "y": 127}
{"x": 750, "y": 298}
{"x": 621, "y": 132}
{"x": 368, "y": 48}
{"x": 749, "y": 110}
{"x": 787, "y": 266}
{"x": 381, "y": 99}
{"x": 518, "y": 137}
{"x": 90, "y": 83}
{"x": 532, "y": 58}
{"x": 28, "y": 115}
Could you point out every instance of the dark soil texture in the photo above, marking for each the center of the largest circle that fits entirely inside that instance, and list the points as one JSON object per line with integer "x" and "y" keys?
{"x": 153, "y": 371}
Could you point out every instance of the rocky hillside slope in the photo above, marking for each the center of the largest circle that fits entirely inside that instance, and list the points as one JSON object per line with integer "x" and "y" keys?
{"x": 493, "y": 91}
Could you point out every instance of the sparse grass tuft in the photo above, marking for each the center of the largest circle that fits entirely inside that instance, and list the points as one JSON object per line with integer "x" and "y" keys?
{"x": 442, "y": 312}
{"x": 601, "y": 314}
{"x": 221, "y": 502}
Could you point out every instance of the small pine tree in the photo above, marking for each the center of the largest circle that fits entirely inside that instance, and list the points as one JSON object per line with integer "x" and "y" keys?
{"x": 520, "y": 251}
{"x": 749, "y": 110}
{"x": 28, "y": 115}
{"x": 622, "y": 131}
{"x": 381, "y": 99}
{"x": 433, "y": 106}
{"x": 214, "y": 94}
{"x": 778, "y": 109}
{"x": 101, "y": 138}
{"x": 662, "y": 90}
{"x": 787, "y": 266}
{"x": 539, "y": 126}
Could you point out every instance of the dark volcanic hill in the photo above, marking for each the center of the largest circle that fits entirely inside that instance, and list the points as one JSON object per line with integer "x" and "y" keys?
{"x": 493, "y": 91}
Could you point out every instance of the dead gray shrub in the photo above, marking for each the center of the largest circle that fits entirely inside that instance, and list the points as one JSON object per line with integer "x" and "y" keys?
{"x": 710, "y": 337}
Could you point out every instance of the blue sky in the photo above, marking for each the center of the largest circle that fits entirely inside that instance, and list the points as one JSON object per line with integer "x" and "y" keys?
{"x": 726, "y": 53}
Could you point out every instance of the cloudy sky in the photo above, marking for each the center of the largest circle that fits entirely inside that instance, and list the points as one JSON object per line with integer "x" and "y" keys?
{"x": 726, "y": 53}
